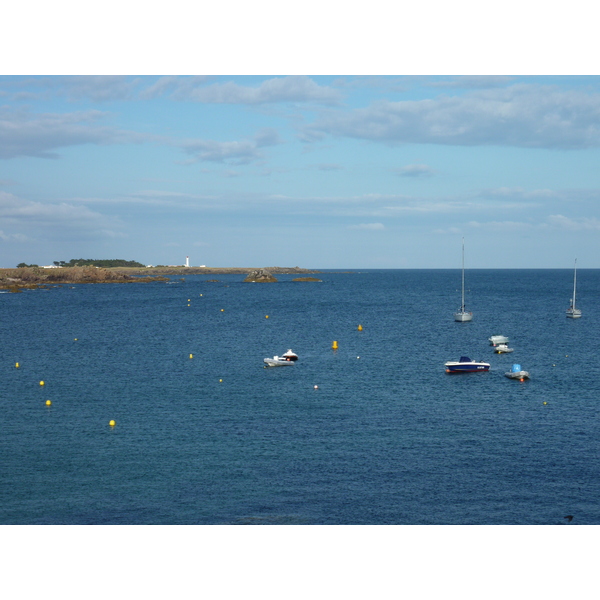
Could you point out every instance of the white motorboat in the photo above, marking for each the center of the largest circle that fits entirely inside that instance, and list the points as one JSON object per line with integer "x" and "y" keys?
{"x": 502, "y": 349}
{"x": 517, "y": 373}
{"x": 462, "y": 315}
{"x": 572, "y": 312}
{"x": 494, "y": 340}
{"x": 286, "y": 360}
{"x": 466, "y": 365}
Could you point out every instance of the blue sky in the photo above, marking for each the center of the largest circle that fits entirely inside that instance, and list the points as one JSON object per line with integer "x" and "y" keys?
{"x": 319, "y": 171}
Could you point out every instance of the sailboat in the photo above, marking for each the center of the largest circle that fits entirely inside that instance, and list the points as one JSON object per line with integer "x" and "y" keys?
{"x": 462, "y": 315}
{"x": 572, "y": 312}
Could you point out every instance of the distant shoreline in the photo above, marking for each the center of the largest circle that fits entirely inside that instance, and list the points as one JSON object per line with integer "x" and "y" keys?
{"x": 209, "y": 270}
{"x": 22, "y": 278}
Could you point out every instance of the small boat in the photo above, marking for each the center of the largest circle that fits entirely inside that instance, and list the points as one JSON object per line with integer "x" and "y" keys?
{"x": 466, "y": 365}
{"x": 494, "y": 340}
{"x": 462, "y": 315}
{"x": 287, "y": 359}
{"x": 502, "y": 349}
{"x": 572, "y": 312}
{"x": 517, "y": 373}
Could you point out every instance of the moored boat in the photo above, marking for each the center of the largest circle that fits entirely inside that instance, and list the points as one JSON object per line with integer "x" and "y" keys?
{"x": 502, "y": 349}
{"x": 287, "y": 359}
{"x": 494, "y": 340}
{"x": 462, "y": 315}
{"x": 572, "y": 311}
{"x": 466, "y": 365}
{"x": 517, "y": 373}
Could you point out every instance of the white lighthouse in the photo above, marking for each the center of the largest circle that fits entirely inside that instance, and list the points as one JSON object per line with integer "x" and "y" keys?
{"x": 187, "y": 261}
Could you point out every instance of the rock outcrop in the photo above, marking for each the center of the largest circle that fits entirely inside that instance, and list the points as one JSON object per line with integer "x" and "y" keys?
{"x": 260, "y": 276}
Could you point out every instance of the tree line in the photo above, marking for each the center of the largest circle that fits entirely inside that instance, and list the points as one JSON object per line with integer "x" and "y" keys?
{"x": 90, "y": 262}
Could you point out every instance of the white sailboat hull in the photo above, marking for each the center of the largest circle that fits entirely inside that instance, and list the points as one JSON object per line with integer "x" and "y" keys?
{"x": 462, "y": 317}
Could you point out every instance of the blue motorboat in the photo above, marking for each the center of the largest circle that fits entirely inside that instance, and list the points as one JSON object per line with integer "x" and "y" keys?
{"x": 466, "y": 365}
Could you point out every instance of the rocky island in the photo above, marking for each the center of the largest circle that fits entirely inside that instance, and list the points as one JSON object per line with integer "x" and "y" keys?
{"x": 34, "y": 277}
{"x": 31, "y": 277}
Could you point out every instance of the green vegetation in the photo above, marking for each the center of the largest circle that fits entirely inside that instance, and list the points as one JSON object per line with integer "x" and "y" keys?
{"x": 105, "y": 263}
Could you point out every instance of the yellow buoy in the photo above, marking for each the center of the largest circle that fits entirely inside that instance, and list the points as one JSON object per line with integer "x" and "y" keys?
{"x": 17, "y": 365}
{"x": 112, "y": 423}
{"x": 222, "y": 310}
{"x": 334, "y": 345}
{"x": 191, "y": 356}
{"x": 189, "y": 299}
{"x": 48, "y": 402}
{"x": 266, "y": 316}
{"x": 220, "y": 381}
{"x": 75, "y": 339}
{"x": 360, "y": 327}
{"x": 545, "y": 403}
{"x": 41, "y": 383}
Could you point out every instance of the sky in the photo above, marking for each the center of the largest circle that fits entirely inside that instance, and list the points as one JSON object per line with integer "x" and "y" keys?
{"x": 383, "y": 170}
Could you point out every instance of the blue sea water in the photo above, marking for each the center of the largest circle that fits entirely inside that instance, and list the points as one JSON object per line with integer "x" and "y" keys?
{"x": 387, "y": 438}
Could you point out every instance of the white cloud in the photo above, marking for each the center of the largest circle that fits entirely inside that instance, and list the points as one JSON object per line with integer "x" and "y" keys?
{"x": 579, "y": 224}
{"x": 13, "y": 237}
{"x": 368, "y": 226}
{"x": 521, "y": 115}
{"x": 415, "y": 171}
{"x": 40, "y": 135}
{"x": 26, "y": 213}
{"x": 236, "y": 152}
{"x": 279, "y": 89}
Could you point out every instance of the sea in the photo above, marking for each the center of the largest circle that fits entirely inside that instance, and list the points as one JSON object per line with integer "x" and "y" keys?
{"x": 373, "y": 432}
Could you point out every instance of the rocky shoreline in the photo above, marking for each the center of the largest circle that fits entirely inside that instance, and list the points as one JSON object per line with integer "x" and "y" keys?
{"x": 18, "y": 279}
{"x": 21, "y": 278}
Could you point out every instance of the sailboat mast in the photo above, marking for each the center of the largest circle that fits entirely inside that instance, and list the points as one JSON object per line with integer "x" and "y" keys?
{"x": 462, "y": 306}
{"x": 574, "y": 283}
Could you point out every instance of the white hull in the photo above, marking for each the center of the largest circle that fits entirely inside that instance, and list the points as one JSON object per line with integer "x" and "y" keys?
{"x": 278, "y": 362}
{"x": 463, "y": 316}
{"x": 518, "y": 375}
{"x": 573, "y": 313}
{"x": 502, "y": 349}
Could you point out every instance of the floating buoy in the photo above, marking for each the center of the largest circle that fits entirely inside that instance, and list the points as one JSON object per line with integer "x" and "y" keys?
{"x": 358, "y": 357}
{"x": 220, "y": 381}
{"x": 17, "y": 365}
{"x": 75, "y": 339}
{"x": 360, "y": 327}
{"x": 316, "y": 387}
{"x": 191, "y": 356}
{"x": 266, "y": 316}
{"x": 334, "y": 345}
{"x": 189, "y": 300}
{"x": 48, "y": 403}
{"x": 189, "y": 304}
{"x": 112, "y": 423}
{"x": 545, "y": 403}
{"x": 222, "y": 310}
{"x": 201, "y": 294}
{"x": 41, "y": 383}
